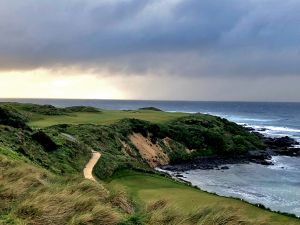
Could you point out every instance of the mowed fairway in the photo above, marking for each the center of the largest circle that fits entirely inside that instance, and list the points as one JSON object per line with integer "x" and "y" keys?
{"x": 104, "y": 117}
{"x": 146, "y": 188}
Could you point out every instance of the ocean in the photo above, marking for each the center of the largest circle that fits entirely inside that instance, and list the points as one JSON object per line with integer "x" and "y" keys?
{"x": 277, "y": 186}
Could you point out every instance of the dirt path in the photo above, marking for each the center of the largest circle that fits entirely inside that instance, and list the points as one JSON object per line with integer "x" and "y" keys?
{"x": 88, "y": 170}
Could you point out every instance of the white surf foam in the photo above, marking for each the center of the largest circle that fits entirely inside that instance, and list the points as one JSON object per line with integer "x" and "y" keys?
{"x": 282, "y": 129}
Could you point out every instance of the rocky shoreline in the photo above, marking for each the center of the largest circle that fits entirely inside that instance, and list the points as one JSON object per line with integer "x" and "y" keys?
{"x": 283, "y": 146}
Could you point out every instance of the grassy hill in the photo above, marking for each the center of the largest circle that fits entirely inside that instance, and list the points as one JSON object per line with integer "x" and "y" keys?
{"x": 43, "y": 150}
{"x": 40, "y": 116}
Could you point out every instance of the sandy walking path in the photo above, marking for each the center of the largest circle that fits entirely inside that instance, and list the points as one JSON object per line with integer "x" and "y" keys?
{"x": 88, "y": 170}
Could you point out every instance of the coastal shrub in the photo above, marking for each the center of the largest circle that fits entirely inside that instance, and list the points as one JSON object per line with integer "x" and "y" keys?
{"x": 49, "y": 110}
{"x": 72, "y": 109}
{"x": 153, "y": 132}
{"x": 129, "y": 126}
{"x": 66, "y": 157}
{"x": 208, "y": 134}
{"x": 240, "y": 144}
{"x": 239, "y": 140}
{"x": 40, "y": 109}
{"x": 178, "y": 152}
{"x": 11, "y": 117}
{"x": 43, "y": 139}
{"x": 151, "y": 108}
{"x": 215, "y": 140}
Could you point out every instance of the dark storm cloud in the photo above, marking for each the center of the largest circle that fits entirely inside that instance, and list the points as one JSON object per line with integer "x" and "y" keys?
{"x": 183, "y": 37}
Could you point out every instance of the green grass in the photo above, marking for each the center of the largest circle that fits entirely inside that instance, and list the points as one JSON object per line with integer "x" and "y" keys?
{"x": 30, "y": 194}
{"x": 104, "y": 117}
{"x": 69, "y": 157}
{"x": 147, "y": 188}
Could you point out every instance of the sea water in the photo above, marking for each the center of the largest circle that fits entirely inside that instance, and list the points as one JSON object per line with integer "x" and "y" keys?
{"x": 276, "y": 186}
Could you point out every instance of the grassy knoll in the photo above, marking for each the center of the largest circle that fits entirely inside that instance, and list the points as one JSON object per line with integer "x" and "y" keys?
{"x": 49, "y": 149}
{"x": 104, "y": 117}
{"x": 40, "y": 116}
{"x": 146, "y": 188}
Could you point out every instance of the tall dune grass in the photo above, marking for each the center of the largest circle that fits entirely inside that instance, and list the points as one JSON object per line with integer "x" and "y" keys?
{"x": 161, "y": 213}
{"x": 30, "y": 195}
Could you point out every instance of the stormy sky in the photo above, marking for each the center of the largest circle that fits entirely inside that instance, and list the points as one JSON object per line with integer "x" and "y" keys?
{"x": 151, "y": 49}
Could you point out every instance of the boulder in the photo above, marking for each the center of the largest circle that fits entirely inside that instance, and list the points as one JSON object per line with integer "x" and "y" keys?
{"x": 282, "y": 142}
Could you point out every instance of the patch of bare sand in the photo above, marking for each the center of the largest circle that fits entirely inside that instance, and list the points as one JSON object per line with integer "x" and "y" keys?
{"x": 151, "y": 153}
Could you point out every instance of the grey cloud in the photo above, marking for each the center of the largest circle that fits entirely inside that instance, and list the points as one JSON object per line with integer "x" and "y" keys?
{"x": 181, "y": 37}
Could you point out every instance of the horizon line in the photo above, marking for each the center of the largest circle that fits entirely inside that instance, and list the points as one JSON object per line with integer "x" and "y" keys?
{"x": 154, "y": 100}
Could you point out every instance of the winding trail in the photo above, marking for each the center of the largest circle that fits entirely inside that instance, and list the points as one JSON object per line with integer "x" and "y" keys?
{"x": 88, "y": 170}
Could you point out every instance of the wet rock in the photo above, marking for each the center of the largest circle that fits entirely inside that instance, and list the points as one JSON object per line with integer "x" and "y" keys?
{"x": 261, "y": 129}
{"x": 179, "y": 175}
{"x": 280, "y": 143}
{"x": 224, "y": 168}
{"x": 266, "y": 163}
{"x": 251, "y": 129}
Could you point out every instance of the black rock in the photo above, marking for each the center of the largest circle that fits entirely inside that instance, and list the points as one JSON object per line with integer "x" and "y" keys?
{"x": 266, "y": 163}
{"x": 224, "y": 168}
{"x": 261, "y": 129}
{"x": 179, "y": 175}
{"x": 280, "y": 143}
{"x": 249, "y": 128}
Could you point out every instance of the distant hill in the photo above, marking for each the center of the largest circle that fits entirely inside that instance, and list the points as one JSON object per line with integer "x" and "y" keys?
{"x": 151, "y": 108}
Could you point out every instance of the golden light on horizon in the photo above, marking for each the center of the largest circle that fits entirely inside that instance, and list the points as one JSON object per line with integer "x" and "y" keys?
{"x": 44, "y": 83}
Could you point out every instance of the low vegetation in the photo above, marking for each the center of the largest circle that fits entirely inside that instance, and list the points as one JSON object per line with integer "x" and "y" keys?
{"x": 31, "y": 195}
{"x": 45, "y": 116}
{"x": 43, "y": 150}
{"x": 11, "y": 117}
{"x": 48, "y": 110}
{"x": 151, "y": 108}
{"x": 47, "y": 148}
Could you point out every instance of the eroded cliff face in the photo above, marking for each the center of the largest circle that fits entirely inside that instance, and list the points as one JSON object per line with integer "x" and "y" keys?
{"x": 152, "y": 153}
